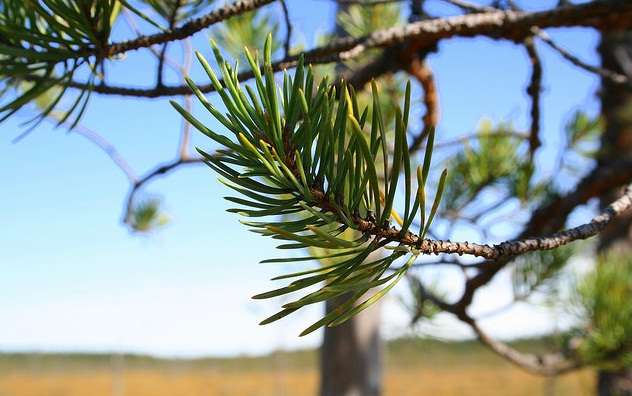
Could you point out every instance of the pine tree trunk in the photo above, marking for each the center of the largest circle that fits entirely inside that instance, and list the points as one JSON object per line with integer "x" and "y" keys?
{"x": 351, "y": 355}
{"x": 616, "y": 109}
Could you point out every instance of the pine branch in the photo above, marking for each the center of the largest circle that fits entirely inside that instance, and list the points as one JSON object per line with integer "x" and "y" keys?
{"x": 314, "y": 159}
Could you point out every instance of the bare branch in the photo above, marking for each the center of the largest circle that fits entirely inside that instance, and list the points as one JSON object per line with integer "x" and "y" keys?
{"x": 420, "y": 69}
{"x": 160, "y": 170}
{"x": 547, "y": 364}
{"x": 474, "y": 136}
{"x": 185, "y": 133}
{"x": 470, "y": 7}
{"x": 552, "y": 215}
{"x": 608, "y": 74}
{"x": 534, "y": 90}
{"x": 186, "y": 30}
{"x": 163, "y": 51}
{"x": 413, "y": 37}
{"x": 288, "y": 28}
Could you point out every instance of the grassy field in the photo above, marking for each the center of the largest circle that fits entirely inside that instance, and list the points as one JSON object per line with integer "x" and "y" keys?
{"x": 413, "y": 367}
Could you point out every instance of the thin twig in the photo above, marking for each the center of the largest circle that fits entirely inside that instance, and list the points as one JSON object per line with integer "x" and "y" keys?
{"x": 608, "y": 74}
{"x": 470, "y": 7}
{"x": 101, "y": 142}
{"x": 552, "y": 215}
{"x": 163, "y": 51}
{"x": 185, "y": 134}
{"x": 421, "y": 71}
{"x": 186, "y": 30}
{"x": 288, "y": 29}
{"x": 547, "y": 364}
{"x": 534, "y": 91}
{"x": 154, "y": 48}
{"x": 475, "y": 136}
{"x": 160, "y": 170}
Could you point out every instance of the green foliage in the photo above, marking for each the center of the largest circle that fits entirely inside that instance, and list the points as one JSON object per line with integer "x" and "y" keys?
{"x": 582, "y": 133}
{"x": 603, "y": 300}
{"x": 146, "y": 216}
{"x": 307, "y": 149}
{"x": 247, "y": 30}
{"x": 421, "y": 308}
{"x": 536, "y": 270}
{"x": 43, "y": 40}
{"x": 360, "y": 20}
{"x": 493, "y": 159}
{"x": 186, "y": 8}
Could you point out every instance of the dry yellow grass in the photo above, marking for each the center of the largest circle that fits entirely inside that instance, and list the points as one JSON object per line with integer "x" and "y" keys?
{"x": 413, "y": 367}
{"x": 209, "y": 382}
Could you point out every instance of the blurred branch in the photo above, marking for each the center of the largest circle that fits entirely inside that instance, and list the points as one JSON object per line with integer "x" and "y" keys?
{"x": 471, "y": 7}
{"x": 154, "y": 48}
{"x": 476, "y": 136}
{"x": 534, "y": 90}
{"x": 98, "y": 140}
{"x": 160, "y": 170}
{"x": 185, "y": 133}
{"x": 552, "y": 215}
{"x": 547, "y": 364}
{"x": 108, "y": 148}
{"x": 288, "y": 28}
{"x": 608, "y": 74}
{"x": 163, "y": 51}
{"x": 420, "y": 69}
{"x": 412, "y": 37}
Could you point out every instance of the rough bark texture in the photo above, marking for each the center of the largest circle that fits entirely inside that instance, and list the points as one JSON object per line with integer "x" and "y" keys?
{"x": 616, "y": 107}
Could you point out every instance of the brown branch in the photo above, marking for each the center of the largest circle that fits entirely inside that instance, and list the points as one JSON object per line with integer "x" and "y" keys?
{"x": 184, "y": 31}
{"x": 160, "y": 170}
{"x": 534, "y": 90}
{"x": 288, "y": 28}
{"x": 552, "y": 215}
{"x": 421, "y": 71}
{"x": 499, "y": 252}
{"x": 163, "y": 51}
{"x": 614, "y": 77}
{"x": 416, "y": 36}
{"x": 547, "y": 364}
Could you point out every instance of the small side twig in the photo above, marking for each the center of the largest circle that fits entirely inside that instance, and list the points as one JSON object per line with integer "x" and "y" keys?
{"x": 421, "y": 71}
{"x": 608, "y": 74}
{"x": 288, "y": 29}
{"x": 163, "y": 52}
{"x": 160, "y": 170}
{"x": 534, "y": 91}
{"x": 471, "y": 7}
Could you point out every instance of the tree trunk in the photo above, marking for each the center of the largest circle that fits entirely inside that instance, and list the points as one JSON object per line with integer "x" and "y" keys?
{"x": 616, "y": 109}
{"x": 351, "y": 355}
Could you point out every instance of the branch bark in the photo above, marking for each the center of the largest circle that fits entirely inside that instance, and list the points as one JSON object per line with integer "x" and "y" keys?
{"x": 412, "y": 37}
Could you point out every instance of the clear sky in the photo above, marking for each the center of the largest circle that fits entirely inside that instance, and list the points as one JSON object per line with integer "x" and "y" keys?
{"x": 73, "y": 278}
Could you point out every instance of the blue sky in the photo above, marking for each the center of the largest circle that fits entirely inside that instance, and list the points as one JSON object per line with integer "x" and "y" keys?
{"x": 74, "y": 278}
